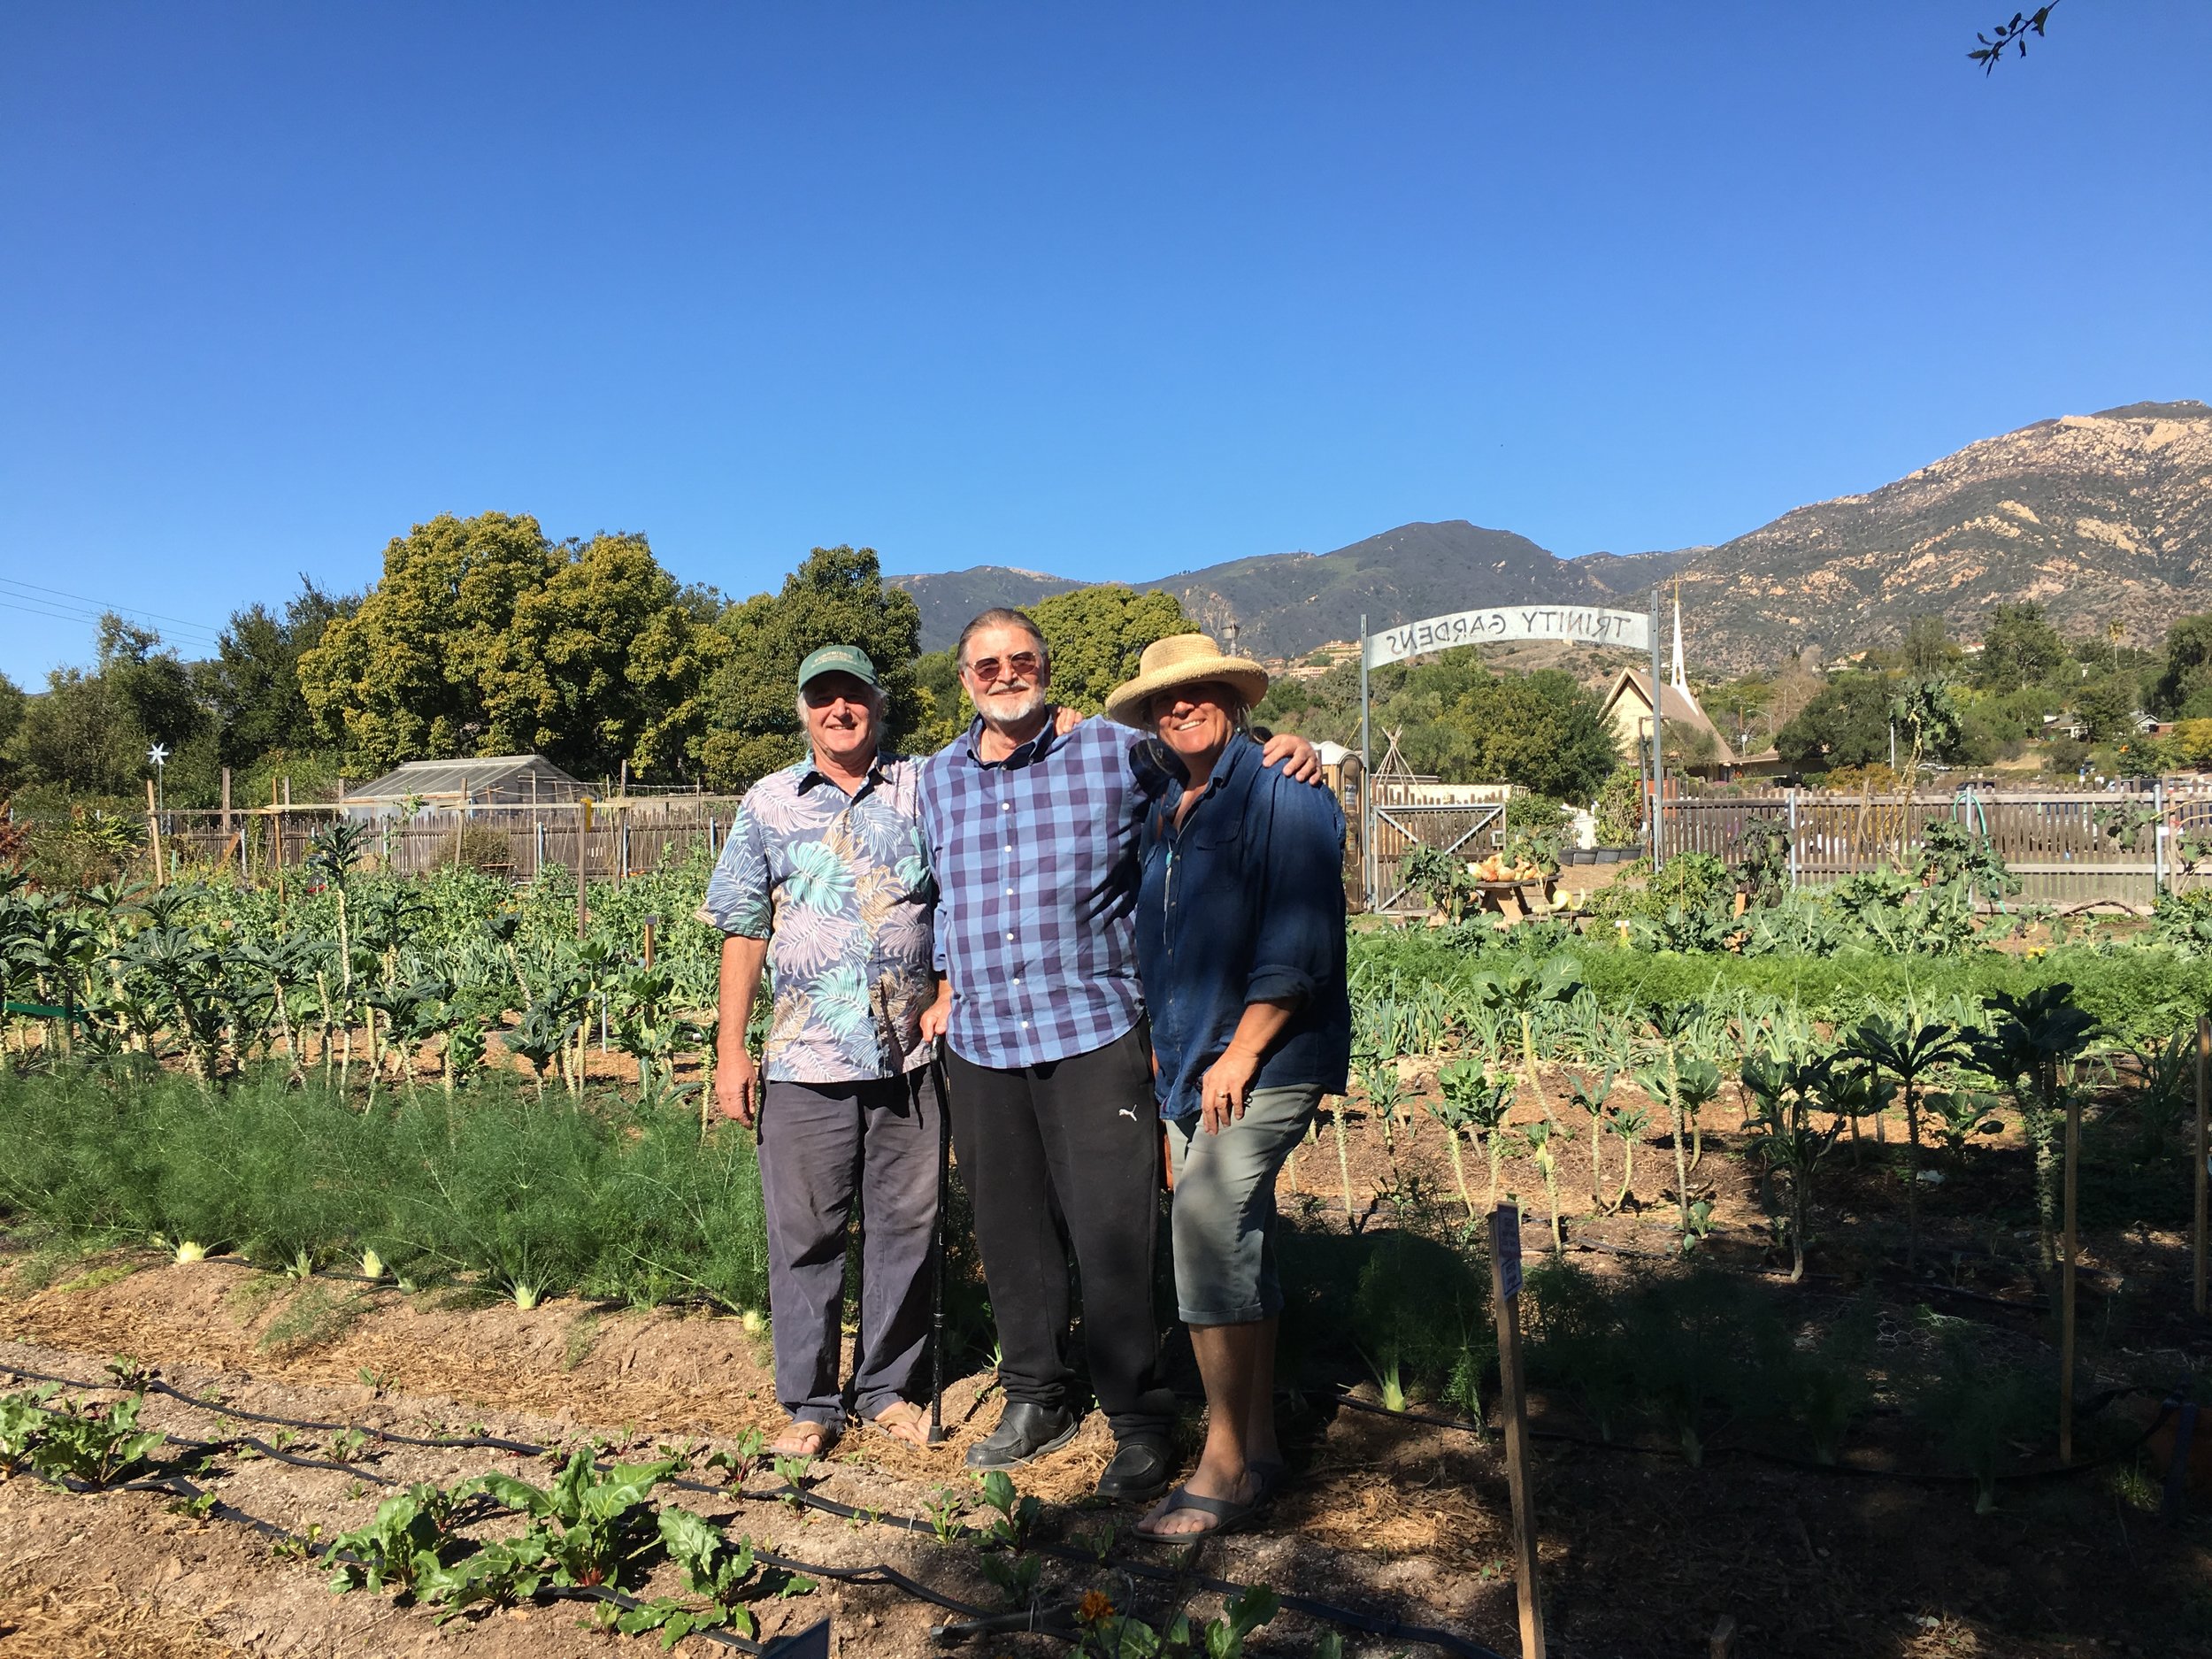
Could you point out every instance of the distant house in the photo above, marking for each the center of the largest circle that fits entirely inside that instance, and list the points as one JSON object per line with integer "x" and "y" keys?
{"x": 1628, "y": 711}
{"x": 483, "y": 781}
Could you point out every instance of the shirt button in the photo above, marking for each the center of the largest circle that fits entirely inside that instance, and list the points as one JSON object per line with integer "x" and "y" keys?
{"x": 1010, "y": 891}
{"x": 1006, "y": 806}
{"x": 1024, "y": 1025}
{"x": 1010, "y": 937}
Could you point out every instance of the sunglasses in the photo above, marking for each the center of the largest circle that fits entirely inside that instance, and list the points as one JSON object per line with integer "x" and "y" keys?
{"x": 1020, "y": 665}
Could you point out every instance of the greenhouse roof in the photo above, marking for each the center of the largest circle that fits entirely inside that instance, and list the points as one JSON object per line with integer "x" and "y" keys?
{"x": 511, "y": 779}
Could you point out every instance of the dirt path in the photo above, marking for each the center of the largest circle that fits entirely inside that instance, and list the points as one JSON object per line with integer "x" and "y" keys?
{"x": 1641, "y": 1554}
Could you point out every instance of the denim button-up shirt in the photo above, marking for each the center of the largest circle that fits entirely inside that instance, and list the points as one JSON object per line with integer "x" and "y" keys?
{"x": 1244, "y": 904}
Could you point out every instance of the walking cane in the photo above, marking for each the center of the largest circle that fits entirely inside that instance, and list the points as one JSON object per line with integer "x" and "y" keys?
{"x": 937, "y": 1261}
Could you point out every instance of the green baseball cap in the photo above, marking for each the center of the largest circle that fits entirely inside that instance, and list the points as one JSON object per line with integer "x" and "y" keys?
{"x": 838, "y": 659}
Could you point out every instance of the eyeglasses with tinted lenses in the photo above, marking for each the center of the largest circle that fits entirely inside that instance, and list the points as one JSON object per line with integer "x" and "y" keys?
{"x": 1020, "y": 665}
{"x": 821, "y": 694}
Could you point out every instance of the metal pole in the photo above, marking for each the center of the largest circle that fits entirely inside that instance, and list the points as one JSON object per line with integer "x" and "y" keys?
{"x": 1366, "y": 780}
{"x": 937, "y": 1256}
{"x": 1658, "y": 753}
{"x": 2158, "y": 838}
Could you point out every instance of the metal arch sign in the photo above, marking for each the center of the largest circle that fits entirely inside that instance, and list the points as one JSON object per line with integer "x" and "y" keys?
{"x": 1577, "y": 624}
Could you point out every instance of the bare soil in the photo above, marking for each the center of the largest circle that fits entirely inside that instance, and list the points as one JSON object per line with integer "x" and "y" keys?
{"x": 1641, "y": 1555}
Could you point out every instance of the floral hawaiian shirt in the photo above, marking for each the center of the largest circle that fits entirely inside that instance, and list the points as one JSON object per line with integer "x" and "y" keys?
{"x": 840, "y": 886}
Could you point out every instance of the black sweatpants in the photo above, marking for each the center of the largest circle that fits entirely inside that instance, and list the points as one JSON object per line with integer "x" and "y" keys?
{"x": 1058, "y": 1157}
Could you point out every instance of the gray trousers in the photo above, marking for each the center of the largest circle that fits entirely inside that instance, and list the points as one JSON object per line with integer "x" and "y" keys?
{"x": 821, "y": 1144}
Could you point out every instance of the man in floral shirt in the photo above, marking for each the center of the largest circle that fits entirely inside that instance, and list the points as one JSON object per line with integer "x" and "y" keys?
{"x": 825, "y": 880}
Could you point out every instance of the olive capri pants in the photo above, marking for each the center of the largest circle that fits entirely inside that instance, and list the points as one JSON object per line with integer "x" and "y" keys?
{"x": 1225, "y": 1206}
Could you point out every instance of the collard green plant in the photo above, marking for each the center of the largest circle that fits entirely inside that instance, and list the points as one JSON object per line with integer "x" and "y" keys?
{"x": 1788, "y": 1142}
{"x": 1910, "y": 1051}
{"x": 2028, "y": 1049}
{"x": 1521, "y": 991}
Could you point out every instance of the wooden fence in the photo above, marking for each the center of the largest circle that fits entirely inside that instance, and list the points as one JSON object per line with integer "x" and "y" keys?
{"x": 2056, "y": 841}
{"x": 514, "y": 842}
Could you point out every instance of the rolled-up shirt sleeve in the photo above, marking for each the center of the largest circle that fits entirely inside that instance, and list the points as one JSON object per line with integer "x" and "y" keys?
{"x": 1302, "y": 903}
{"x": 739, "y": 899}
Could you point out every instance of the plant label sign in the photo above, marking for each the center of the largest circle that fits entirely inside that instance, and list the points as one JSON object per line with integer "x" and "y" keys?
{"x": 1505, "y": 1244}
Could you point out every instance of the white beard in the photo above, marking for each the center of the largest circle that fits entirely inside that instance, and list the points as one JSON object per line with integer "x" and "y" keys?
{"x": 1001, "y": 715}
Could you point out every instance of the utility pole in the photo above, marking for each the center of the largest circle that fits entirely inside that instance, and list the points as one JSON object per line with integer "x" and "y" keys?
{"x": 1658, "y": 752}
{"x": 1366, "y": 780}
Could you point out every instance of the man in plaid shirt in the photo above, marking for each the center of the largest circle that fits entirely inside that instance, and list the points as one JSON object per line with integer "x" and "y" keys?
{"x": 1033, "y": 836}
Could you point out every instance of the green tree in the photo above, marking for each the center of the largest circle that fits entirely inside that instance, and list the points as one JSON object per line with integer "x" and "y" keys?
{"x": 252, "y": 684}
{"x": 1097, "y": 635}
{"x": 482, "y": 637}
{"x": 89, "y": 733}
{"x": 401, "y": 677}
{"x": 2106, "y": 706}
{"x": 2184, "y": 686}
{"x": 2019, "y": 649}
{"x": 837, "y": 596}
{"x": 1927, "y": 650}
{"x": 11, "y": 705}
{"x": 1541, "y": 731}
{"x": 945, "y": 713}
{"x": 1735, "y": 704}
{"x": 607, "y": 660}
{"x": 1845, "y": 724}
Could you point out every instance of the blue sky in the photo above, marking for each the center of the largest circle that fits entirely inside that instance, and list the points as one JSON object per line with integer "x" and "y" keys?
{"x": 1104, "y": 290}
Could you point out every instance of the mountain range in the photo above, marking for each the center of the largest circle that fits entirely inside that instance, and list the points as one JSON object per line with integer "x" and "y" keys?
{"x": 2103, "y": 518}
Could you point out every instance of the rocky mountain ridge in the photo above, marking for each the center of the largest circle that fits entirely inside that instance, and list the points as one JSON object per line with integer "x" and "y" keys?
{"x": 2105, "y": 520}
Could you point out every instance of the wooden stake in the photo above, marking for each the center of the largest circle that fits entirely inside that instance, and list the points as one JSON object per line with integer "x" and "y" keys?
{"x": 583, "y": 858}
{"x": 153, "y": 831}
{"x": 1505, "y": 1293}
{"x": 2066, "y": 1286}
{"x": 2204, "y": 1171}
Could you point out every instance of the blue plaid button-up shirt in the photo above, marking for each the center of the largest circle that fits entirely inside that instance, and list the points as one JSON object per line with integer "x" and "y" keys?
{"x": 1036, "y": 864}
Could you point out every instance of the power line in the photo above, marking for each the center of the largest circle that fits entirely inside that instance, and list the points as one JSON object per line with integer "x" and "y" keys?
{"x": 36, "y": 589}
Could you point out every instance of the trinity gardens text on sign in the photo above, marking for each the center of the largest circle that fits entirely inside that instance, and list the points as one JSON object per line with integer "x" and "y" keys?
{"x": 1579, "y": 625}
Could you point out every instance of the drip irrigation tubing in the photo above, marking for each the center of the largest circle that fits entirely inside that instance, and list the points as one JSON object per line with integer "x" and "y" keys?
{"x": 1348, "y": 1618}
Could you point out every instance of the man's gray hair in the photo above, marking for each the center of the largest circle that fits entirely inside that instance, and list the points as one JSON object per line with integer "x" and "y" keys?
{"x": 1002, "y": 616}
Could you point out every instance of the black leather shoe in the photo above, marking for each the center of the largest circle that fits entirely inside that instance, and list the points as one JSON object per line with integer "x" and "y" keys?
{"x": 1139, "y": 1471}
{"x": 1025, "y": 1432}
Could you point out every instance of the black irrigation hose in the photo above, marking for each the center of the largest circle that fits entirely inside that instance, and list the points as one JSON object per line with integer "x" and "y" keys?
{"x": 1349, "y": 1618}
{"x": 154, "y": 1384}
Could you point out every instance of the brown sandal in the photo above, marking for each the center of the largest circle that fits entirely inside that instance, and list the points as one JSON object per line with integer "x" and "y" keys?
{"x": 908, "y": 1416}
{"x": 802, "y": 1429}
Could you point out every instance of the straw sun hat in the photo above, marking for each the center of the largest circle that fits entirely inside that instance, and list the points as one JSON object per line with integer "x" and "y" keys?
{"x": 1183, "y": 659}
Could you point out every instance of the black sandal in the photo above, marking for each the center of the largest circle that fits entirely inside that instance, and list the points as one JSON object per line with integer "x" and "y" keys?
{"x": 1229, "y": 1516}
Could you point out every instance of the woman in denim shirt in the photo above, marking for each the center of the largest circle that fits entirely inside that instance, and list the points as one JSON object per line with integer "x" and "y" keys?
{"x": 1241, "y": 948}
